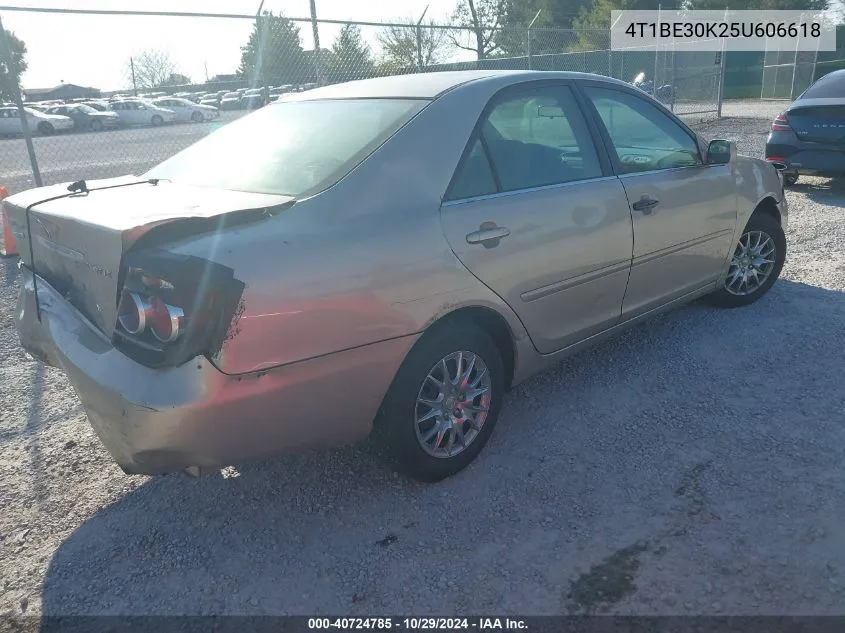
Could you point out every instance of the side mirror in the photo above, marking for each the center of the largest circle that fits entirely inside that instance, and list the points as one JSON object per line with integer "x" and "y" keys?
{"x": 721, "y": 152}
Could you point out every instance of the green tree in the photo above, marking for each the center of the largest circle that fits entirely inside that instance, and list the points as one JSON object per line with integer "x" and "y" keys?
{"x": 10, "y": 78}
{"x": 480, "y": 22}
{"x": 273, "y": 54}
{"x": 351, "y": 57}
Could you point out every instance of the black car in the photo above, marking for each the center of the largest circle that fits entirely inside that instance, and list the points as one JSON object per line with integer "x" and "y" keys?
{"x": 85, "y": 117}
{"x": 254, "y": 99}
{"x": 809, "y": 138}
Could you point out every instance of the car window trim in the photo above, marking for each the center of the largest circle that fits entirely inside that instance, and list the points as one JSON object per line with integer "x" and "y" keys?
{"x": 529, "y": 190}
{"x": 605, "y": 162}
{"x": 605, "y": 135}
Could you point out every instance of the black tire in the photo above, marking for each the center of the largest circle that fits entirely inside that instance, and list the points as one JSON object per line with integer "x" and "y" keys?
{"x": 790, "y": 180}
{"x": 156, "y": 120}
{"x": 394, "y": 435}
{"x": 197, "y": 117}
{"x": 770, "y": 226}
{"x": 46, "y": 128}
{"x": 96, "y": 126}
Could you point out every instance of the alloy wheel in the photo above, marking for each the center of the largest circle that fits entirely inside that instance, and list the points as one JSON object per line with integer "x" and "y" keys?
{"x": 452, "y": 404}
{"x": 752, "y": 263}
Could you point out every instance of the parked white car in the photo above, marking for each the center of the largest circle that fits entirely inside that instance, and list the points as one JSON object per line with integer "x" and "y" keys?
{"x": 139, "y": 112}
{"x": 188, "y": 110}
{"x": 10, "y": 122}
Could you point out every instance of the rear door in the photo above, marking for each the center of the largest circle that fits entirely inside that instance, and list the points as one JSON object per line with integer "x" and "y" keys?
{"x": 534, "y": 212}
{"x": 684, "y": 212}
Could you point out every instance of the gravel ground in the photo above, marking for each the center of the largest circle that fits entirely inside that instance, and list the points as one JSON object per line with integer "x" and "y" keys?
{"x": 692, "y": 465}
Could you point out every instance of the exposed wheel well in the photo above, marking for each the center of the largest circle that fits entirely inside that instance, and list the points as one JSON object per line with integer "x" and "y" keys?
{"x": 495, "y": 326}
{"x": 768, "y": 207}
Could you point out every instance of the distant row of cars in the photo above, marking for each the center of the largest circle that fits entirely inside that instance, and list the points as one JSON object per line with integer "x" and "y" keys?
{"x": 95, "y": 115}
{"x": 157, "y": 108}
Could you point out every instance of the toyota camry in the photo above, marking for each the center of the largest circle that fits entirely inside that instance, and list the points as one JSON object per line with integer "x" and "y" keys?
{"x": 382, "y": 258}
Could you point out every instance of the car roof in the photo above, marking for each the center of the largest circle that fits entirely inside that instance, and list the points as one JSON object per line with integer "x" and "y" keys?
{"x": 431, "y": 85}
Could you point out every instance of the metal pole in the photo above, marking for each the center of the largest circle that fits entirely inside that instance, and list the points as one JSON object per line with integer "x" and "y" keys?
{"x": 134, "y": 85}
{"x": 528, "y": 39}
{"x": 419, "y": 40}
{"x": 6, "y": 56}
{"x": 655, "y": 83}
{"x": 723, "y": 54}
{"x": 795, "y": 60}
{"x": 318, "y": 54}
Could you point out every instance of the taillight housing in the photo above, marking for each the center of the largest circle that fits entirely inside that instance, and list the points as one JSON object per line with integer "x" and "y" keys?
{"x": 174, "y": 307}
{"x": 780, "y": 124}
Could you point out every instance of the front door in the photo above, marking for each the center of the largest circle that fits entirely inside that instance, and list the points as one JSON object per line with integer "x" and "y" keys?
{"x": 536, "y": 215}
{"x": 684, "y": 212}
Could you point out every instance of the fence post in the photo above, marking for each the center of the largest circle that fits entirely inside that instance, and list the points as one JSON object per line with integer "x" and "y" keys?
{"x": 318, "y": 54}
{"x": 723, "y": 62}
{"x": 6, "y": 57}
{"x": 795, "y": 59}
{"x": 655, "y": 81}
{"x": 528, "y": 46}
{"x": 528, "y": 39}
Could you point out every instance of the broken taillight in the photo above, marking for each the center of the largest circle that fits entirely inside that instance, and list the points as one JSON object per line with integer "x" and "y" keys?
{"x": 174, "y": 307}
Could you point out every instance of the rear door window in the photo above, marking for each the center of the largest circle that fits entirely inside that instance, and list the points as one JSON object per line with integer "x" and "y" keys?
{"x": 539, "y": 137}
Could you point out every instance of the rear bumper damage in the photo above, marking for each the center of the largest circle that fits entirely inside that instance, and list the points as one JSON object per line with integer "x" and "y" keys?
{"x": 193, "y": 416}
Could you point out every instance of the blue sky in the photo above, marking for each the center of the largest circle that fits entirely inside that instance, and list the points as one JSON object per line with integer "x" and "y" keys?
{"x": 93, "y": 50}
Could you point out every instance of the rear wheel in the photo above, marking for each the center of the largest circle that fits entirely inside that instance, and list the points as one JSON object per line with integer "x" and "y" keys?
{"x": 755, "y": 264}
{"x": 197, "y": 117}
{"x": 443, "y": 404}
{"x": 156, "y": 120}
{"x": 46, "y": 128}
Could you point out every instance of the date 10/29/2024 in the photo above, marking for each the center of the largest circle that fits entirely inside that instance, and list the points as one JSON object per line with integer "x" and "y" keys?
{"x": 418, "y": 624}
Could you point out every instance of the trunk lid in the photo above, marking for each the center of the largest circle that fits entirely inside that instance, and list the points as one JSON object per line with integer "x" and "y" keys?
{"x": 818, "y": 120}
{"x": 77, "y": 241}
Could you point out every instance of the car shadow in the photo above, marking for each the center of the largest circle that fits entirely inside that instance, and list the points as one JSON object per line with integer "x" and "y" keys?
{"x": 826, "y": 191}
{"x": 335, "y": 532}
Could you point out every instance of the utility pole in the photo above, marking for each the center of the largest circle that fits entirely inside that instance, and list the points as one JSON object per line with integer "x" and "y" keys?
{"x": 419, "y": 40}
{"x": 206, "y": 71}
{"x": 134, "y": 85}
{"x": 318, "y": 54}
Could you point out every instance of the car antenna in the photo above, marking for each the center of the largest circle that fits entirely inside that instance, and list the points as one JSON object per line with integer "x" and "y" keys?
{"x": 78, "y": 187}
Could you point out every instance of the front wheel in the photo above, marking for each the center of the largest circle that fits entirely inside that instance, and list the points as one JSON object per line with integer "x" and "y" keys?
{"x": 443, "y": 404}
{"x": 790, "y": 179}
{"x": 156, "y": 120}
{"x": 46, "y": 128}
{"x": 96, "y": 126}
{"x": 755, "y": 264}
{"x": 197, "y": 117}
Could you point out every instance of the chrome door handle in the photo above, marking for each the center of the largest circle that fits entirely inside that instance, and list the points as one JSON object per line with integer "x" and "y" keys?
{"x": 488, "y": 236}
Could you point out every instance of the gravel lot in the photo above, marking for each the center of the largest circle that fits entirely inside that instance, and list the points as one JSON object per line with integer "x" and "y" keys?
{"x": 692, "y": 465}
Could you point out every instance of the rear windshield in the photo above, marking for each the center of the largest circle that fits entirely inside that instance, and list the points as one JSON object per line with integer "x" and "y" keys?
{"x": 293, "y": 148}
{"x": 828, "y": 87}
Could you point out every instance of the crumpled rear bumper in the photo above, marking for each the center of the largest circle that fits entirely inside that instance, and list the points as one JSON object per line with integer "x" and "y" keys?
{"x": 163, "y": 420}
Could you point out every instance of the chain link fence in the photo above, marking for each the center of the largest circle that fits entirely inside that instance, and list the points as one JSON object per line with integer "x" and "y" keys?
{"x": 241, "y": 62}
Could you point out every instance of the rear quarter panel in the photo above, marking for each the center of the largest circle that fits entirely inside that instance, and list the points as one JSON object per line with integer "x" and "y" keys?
{"x": 364, "y": 261}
